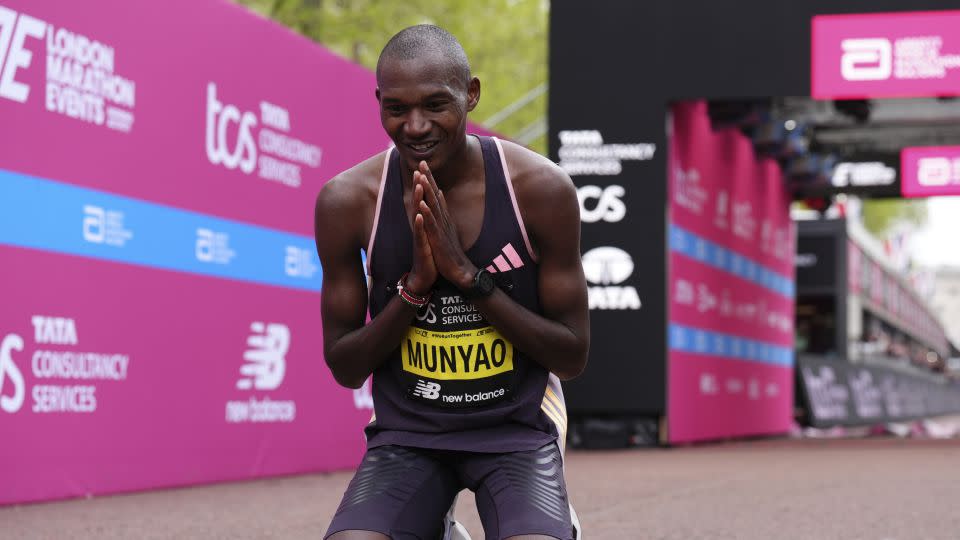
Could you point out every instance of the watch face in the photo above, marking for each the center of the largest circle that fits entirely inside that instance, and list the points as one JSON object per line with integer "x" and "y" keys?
{"x": 485, "y": 283}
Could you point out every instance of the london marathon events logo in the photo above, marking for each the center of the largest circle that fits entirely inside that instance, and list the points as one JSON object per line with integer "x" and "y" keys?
{"x": 81, "y": 72}
{"x": 68, "y": 378}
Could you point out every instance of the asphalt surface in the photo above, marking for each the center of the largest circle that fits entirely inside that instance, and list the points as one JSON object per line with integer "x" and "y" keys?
{"x": 877, "y": 489}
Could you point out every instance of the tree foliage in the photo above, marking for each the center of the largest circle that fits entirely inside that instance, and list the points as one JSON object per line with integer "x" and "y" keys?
{"x": 505, "y": 40}
{"x": 881, "y": 215}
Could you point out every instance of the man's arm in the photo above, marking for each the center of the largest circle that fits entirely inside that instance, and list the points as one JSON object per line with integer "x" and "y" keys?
{"x": 353, "y": 350}
{"x": 560, "y": 338}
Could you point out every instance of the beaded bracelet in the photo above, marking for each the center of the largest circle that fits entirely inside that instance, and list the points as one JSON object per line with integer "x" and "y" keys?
{"x": 408, "y": 297}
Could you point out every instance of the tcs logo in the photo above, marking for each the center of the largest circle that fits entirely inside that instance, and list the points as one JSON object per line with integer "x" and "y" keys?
{"x": 221, "y": 119}
{"x": 869, "y": 59}
{"x": 8, "y": 368}
{"x": 13, "y": 34}
{"x": 608, "y": 206}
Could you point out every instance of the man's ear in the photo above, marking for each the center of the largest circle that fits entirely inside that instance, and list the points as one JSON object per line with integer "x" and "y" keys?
{"x": 377, "y": 94}
{"x": 473, "y": 94}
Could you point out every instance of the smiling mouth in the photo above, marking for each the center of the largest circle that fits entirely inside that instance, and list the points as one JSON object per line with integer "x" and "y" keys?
{"x": 423, "y": 147}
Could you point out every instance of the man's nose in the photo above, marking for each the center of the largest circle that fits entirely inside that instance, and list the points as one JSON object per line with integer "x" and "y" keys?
{"x": 417, "y": 125}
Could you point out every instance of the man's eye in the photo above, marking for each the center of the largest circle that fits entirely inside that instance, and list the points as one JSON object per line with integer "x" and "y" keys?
{"x": 396, "y": 109}
{"x": 435, "y": 105}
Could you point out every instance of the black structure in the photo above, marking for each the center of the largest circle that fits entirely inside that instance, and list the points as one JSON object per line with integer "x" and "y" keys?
{"x": 821, "y": 306}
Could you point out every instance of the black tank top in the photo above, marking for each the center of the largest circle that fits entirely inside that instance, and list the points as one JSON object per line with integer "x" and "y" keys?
{"x": 454, "y": 382}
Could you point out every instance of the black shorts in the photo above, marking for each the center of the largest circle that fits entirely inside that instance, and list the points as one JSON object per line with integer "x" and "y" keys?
{"x": 405, "y": 492}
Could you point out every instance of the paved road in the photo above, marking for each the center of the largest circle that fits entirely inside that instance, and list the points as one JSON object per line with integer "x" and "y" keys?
{"x": 776, "y": 489}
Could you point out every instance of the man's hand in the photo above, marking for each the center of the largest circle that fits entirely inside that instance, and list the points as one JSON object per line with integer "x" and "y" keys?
{"x": 451, "y": 262}
{"x": 424, "y": 270}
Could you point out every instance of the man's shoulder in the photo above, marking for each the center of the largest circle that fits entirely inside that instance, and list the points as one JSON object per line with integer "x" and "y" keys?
{"x": 353, "y": 188}
{"x": 535, "y": 177}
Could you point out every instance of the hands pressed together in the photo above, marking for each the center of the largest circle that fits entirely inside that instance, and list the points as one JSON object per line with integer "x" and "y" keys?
{"x": 436, "y": 245}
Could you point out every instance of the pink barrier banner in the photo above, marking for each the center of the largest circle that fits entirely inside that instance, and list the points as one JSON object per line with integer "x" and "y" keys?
{"x": 913, "y": 54}
{"x": 159, "y": 163}
{"x": 727, "y": 398}
{"x": 121, "y": 378}
{"x": 705, "y": 298}
{"x": 731, "y": 295}
{"x": 930, "y": 171}
{"x": 888, "y": 295}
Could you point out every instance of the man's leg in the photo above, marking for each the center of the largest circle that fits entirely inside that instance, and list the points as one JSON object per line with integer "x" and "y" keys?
{"x": 397, "y": 493}
{"x": 521, "y": 495}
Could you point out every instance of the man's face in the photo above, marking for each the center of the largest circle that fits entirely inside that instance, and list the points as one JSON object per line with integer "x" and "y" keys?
{"x": 423, "y": 108}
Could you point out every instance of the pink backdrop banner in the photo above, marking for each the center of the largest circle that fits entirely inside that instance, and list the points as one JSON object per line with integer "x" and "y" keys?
{"x": 885, "y": 55}
{"x": 161, "y": 321}
{"x": 205, "y": 106}
{"x": 197, "y": 88}
{"x": 731, "y": 295}
{"x": 930, "y": 171}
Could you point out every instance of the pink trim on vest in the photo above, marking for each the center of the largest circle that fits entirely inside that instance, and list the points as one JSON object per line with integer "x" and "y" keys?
{"x": 513, "y": 199}
{"x": 376, "y": 213}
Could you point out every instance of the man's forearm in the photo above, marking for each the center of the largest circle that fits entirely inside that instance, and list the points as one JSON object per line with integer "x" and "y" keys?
{"x": 551, "y": 344}
{"x": 356, "y": 354}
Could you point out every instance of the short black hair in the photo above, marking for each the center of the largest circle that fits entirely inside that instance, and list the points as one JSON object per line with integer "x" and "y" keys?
{"x": 416, "y": 41}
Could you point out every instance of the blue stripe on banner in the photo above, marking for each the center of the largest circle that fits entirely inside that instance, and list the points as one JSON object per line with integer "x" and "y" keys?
{"x": 710, "y": 253}
{"x": 58, "y": 217}
{"x": 698, "y": 341}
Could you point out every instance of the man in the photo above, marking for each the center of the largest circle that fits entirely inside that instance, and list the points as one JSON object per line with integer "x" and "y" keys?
{"x": 478, "y": 306}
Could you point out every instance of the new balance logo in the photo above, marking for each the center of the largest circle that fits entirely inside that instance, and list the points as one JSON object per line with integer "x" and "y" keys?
{"x": 508, "y": 260}
{"x": 265, "y": 363}
{"x": 427, "y": 390}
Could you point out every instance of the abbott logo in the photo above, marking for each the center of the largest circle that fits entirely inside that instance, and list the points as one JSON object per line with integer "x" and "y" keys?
{"x": 266, "y": 363}
{"x": 866, "y": 59}
{"x": 606, "y": 268}
{"x": 299, "y": 262}
{"x": 938, "y": 171}
{"x": 427, "y": 390}
{"x": 608, "y": 207}
{"x": 105, "y": 226}
{"x": 213, "y": 247}
{"x": 219, "y": 118}
{"x": 8, "y": 368}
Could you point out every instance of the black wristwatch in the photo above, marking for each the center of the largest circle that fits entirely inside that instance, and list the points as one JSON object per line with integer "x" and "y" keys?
{"x": 481, "y": 286}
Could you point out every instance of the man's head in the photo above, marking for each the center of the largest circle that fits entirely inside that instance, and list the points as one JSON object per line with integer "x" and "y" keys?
{"x": 425, "y": 90}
